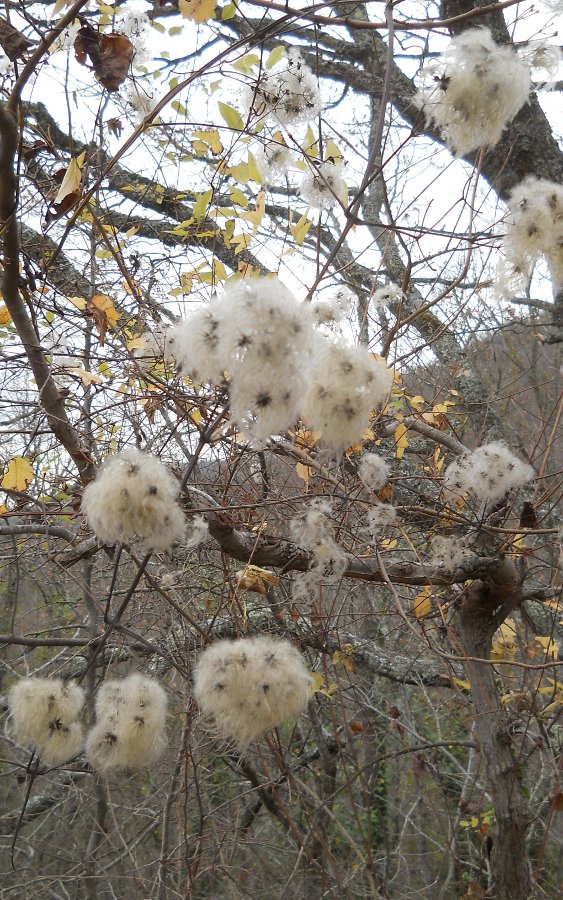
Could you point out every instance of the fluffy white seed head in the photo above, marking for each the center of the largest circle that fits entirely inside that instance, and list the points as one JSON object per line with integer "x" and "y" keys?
{"x": 544, "y": 60}
{"x": 535, "y": 227}
{"x": 475, "y": 92}
{"x": 62, "y": 743}
{"x": 274, "y": 159}
{"x": 261, "y": 335}
{"x": 134, "y": 494}
{"x": 198, "y": 533}
{"x": 249, "y": 686}
{"x": 313, "y": 531}
{"x": 130, "y": 728}
{"x": 347, "y": 383}
{"x": 450, "y": 552}
{"x": 43, "y": 712}
{"x": 324, "y": 186}
{"x": 289, "y": 94}
{"x": 381, "y": 516}
{"x": 333, "y": 310}
{"x": 488, "y": 472}
{"x": 374, "y": 471}
{"x": 387, "y": 294}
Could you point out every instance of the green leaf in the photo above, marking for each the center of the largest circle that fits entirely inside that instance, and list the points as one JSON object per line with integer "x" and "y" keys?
{"x": 275, "y": 56}
{"x": 231, "y": 116}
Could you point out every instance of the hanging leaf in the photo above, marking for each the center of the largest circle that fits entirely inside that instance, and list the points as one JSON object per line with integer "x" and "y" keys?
{"x": 5, "y": 316}
{"x": 197, "y": 10}
{"x": 401, "y": 441}
{"x": 71, "y": 181}
{"x": 231, "y": 116}
{"x": 104, "y": 314}
{"x": 18, "y": 474}
{"x": 87, "y": 378}
{"x": 110, "y": 55}
{"x": 303, "y": 472}
{"x": 300, "y": 229}
{"x": 422, "y": 604}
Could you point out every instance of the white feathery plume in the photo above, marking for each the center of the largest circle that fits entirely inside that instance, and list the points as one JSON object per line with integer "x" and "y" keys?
{"x": 451, "y": 552}
{"x": 535, "y": 227}
{"x": 332, "y": 311}
{"x": 289, "y": 94}
{"x": 261, "y": 335}
{"x": 130, "y": 725}
{"x": 44, "y": 717}
{"x": 475, "y": 92}
{"x": 313, "y": 531}
{"x": 324, "y": 186}
{"x": 381, "y": 516}
{"x": 387, "y": 294}
{"x": 346, "y": 385}
{"x": 488, "y": 472}
{"x": 274, "y": 159}
{"x": 133, "y": 493}
{"x": 248, "y": 686}
{"x": 374, "y": 471}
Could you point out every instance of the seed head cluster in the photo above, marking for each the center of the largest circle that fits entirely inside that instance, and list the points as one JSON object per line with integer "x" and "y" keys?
{"x": 130, "y": 725}
{"x": 274, "y": 159}
{"x": 450, "y": 552}
{"x": 535, "y": 227}
{"x": 373, "y": 471}
{"x": 475, "y": 92}
{"x": 44, "y": 716}
{"x": 313, "y": 530}
{"x": 381, "y": 516}
{"x": 132, "y": 494}
{"x": 289, "y": 94}
{"x": 248, "y": 686}
{"x": 324, "y": 186}
{"x": 488, "y": 472}
{"x": 347, "y": 383}
{"x": 278, "y": 365}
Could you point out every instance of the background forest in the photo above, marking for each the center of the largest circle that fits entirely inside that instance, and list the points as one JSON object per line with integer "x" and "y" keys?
{"x": 309, "y": 258}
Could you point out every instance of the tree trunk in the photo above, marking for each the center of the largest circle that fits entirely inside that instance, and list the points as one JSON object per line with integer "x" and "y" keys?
{"x": 476, "y": 625}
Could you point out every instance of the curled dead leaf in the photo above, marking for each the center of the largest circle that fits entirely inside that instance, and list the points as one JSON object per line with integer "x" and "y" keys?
{"x": 253, "y": 578}
{"x": 110, "y": 55}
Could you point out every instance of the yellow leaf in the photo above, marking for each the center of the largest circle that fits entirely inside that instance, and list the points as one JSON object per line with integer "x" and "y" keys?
{"x": 333, "y": 152}
{"x": 304, "y": 472}
{"x": 86, "y": 377}
{"x": 197, "y": 10}
{"x": 417, "y": 402}
{"x": 300, "y": 229}
{"x": 310, "y": 145}
{"x": 231, "y": 115}
{"x": 401, "y": 441}
{"x": 201, "y": 203}
{"x": 462, "y": 684}
{"x": 79, "y": 302}
{"x": 3, "y": 509}
{"x": 388, "y": 544}
{"x": 60, "y": 4}
{"x": 422, "y": 605}
{"x": 105, "y": 305}
{"x": 18, "y": 474}
{"x": 5, "y": 316}
{"x": 71, "y": 180}
{"x": 255, "y": 216}
{"x": 550, "y": 646}
{"x": 210, "y": 137}
{"x": 345, "y": 656}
